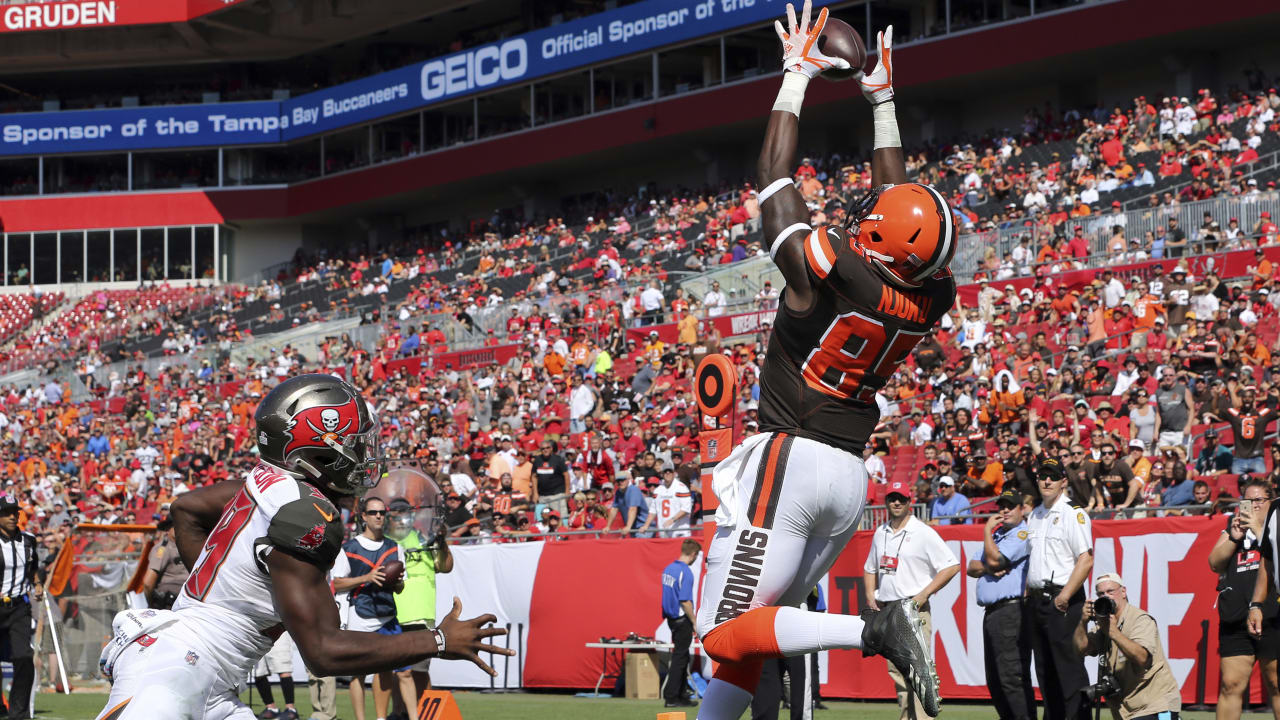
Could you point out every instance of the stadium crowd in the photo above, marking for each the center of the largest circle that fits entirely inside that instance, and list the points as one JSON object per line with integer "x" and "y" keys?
{"x": 590, "y": 423}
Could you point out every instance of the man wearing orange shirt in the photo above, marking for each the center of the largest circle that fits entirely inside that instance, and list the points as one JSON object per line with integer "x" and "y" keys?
{"x": 1146, "y": 308}
{"x": 580, "y": 354}
{"x": 1262, "y": 270}
{"x": 1257, "y": 353}
{"x": 554, "y": 363}
{"x": 983, "y": 478}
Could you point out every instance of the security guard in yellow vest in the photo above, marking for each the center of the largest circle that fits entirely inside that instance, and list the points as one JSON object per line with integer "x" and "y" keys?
{"x": 423, "y": 558}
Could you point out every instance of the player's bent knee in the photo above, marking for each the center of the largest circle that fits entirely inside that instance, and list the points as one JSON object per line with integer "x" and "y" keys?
{"x": 158, "y": 700}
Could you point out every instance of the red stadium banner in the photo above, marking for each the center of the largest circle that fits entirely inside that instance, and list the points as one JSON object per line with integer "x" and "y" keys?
{"x": 71, "y": 14}
{"x": 587, "y": 589}
{"x": 728, "y": 325}
{"x": 1225, "y": 264}
{"x": 460, "y": 360}
{"x": 1165, "y": 566}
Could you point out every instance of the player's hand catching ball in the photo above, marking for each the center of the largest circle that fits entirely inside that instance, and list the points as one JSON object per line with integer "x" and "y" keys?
{"x": 877, "y": 86}
{"x": 800, "y": 53}
{"x": 465, "y": 639}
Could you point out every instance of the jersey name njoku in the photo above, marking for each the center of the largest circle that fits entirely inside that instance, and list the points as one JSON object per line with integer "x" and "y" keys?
{"x": 227, "y": 598}
{"x": 823, "y": 367}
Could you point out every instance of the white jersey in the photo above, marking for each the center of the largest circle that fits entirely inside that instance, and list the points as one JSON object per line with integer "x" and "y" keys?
{"x": 228, "y": 597}
{"x": 671, "y": 501}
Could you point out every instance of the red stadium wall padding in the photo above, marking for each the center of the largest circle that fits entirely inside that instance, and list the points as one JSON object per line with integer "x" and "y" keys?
{"x": 587, "y": 589}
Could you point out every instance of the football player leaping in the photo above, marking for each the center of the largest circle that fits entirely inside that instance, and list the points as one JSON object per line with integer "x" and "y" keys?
{"x": 857, "y": 300}
{"x": 259, "y": 550}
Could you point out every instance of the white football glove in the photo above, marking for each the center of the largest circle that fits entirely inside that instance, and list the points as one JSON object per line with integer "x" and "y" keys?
{"x": 800, "y": 53}
{"x": 877, "y": 86}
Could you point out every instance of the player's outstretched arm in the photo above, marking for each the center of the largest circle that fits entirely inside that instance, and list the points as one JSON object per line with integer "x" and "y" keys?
{"x": 888, "y": 167}
{"x": 785, "y": 216}
{"x": 299, "y": 587}
{"x": 195, "y": 513}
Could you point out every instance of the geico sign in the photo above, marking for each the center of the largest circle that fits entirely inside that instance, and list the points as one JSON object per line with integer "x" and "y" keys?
{"x": 58, "y": 15}
{"x": 474, "y": 69}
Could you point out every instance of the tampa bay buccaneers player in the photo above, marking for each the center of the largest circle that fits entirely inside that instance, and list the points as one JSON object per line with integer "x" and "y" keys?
{"x": 259, "y": 550}
{"x": 857, "y": 300}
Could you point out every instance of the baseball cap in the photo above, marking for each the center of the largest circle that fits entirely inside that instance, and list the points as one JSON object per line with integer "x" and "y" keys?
{"x": 1053, "y": 469}
{"x": 400, "y": 505}
{"x": 946, "y": 480}
{"x": 8, "y": 501}
{"x": 1009, "y": 498}
{"x": 1112, "y": 577}
{"x": 1137, "y": 444}
{"x": 897, "y": 487}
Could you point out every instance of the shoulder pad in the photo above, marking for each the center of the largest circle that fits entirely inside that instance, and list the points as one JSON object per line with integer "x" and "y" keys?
{"x": 308, "y": 528}
{"x": 270, "y": 488}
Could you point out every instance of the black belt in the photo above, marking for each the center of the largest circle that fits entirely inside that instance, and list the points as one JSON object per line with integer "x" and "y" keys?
{"x": 7, "y": 600}
{"x": 1002, "y": 603}
{"x": 1051, "y": 591}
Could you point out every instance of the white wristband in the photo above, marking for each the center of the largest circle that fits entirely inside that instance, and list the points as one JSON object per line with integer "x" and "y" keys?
{"x": 439, "y": 635}
{"x": 791, "y": 94}
{"x": 787, "y": 232}
{"x": 774, "y": 187}
{"x": 885, "y": 117}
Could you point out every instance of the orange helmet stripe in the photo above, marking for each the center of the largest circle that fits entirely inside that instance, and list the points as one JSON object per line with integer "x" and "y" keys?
{"x": 943, "y": 253}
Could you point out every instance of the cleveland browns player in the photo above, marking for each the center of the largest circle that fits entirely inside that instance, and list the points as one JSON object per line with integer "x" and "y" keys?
{"x": 857, "y": 300}
{"x": 259, "y": 550}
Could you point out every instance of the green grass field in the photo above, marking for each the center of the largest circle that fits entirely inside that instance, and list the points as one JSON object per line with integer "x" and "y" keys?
{"x": 539, "y": 706}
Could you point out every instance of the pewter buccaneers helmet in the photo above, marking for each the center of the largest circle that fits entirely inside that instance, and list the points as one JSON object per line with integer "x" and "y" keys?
{"x": 319, "y": 427}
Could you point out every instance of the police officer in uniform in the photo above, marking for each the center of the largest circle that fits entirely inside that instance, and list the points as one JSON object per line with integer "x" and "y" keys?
{"x": 20, "y": 582}
{"x": 1001, "y": 569}
{"x": 1061, "y": 558}
{"x": 165, "y": 571}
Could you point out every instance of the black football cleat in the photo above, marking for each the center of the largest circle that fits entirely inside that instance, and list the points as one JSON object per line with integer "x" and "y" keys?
{"x": 896, "y": 633}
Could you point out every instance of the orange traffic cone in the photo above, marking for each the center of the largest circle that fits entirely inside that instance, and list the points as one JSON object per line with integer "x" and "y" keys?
{"x": 438, "y": 705}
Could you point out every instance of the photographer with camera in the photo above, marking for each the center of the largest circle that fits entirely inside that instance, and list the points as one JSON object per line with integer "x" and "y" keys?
{"x": 1236, "y": 558}
{"x": 1133, "y": 674}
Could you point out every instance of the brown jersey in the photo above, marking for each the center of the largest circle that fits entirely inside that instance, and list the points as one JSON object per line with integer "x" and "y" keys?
{"x": 824, "y": 366}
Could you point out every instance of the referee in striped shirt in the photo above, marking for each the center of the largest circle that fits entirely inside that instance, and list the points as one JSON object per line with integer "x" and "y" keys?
{"x": 19, "y": 583}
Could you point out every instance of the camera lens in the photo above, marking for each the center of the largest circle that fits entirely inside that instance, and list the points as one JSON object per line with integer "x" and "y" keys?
{"x": 1104, "y": 606}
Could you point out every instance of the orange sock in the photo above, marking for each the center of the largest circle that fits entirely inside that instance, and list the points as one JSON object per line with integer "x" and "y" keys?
{"x": 750, "y": 636}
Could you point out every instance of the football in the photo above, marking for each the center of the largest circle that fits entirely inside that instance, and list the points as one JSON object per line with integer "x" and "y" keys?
{"x": 839, "y": 39}
{"x": 392, "y": 572}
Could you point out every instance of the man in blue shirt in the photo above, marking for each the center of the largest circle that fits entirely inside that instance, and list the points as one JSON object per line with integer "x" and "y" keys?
{"x": 1214, "y": 459}
{"x": 948, "y": 502}
{"x": 1001, "y": 569}
{"x": 677, "y": 608}
{"x": 98, "y": 444}
{"x": 630, "y": 504}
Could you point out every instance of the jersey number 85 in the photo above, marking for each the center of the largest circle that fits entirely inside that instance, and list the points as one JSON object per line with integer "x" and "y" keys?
{"x": 856, "y": 357}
